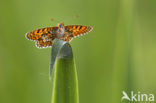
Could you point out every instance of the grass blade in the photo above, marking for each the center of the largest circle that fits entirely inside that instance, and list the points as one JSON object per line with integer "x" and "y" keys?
{"x": 64, "y": 75}
{"x": 58, "y": 44}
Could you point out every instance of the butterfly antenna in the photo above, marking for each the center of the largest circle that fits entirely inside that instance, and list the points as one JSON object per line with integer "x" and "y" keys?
{"x": 74, "y": 17}
{"x": 65, "y": 20}
{"x": 53, "y": 20}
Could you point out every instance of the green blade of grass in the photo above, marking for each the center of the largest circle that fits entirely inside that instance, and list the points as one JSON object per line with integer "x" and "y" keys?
{"x": 58, "y": 44}
{"x": 64, "y": 75}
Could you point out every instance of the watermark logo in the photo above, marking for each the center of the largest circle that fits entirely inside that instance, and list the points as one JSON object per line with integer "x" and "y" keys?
{"x": 137, "y": 97}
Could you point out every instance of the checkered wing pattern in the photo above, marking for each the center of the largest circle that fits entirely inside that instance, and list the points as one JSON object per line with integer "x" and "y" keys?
{"x": 76, "y": 30}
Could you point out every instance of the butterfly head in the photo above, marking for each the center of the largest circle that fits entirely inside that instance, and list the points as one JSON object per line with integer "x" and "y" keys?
{"x": 60, "y": 25}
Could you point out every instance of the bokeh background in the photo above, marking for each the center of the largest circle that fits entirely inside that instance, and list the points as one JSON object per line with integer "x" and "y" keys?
{"x": 119, "y": 54}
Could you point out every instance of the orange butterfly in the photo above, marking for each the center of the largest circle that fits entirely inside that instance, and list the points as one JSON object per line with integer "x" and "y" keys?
{"x": 44, "y": 37}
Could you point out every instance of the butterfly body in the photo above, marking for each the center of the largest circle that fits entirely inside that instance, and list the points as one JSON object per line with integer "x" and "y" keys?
{"x": 44, "y": 37}
{"x": 61, "y": 31}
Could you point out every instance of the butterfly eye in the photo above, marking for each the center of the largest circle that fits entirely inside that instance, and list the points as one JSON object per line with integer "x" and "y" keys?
{"x": 60, "y": 26}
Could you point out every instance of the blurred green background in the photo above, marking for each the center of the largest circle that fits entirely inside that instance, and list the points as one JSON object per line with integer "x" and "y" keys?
{"x": 119, "y": 54}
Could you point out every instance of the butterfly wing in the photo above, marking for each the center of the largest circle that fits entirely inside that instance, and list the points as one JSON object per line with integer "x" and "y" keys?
{"x": 36, "y": 34}
{"x": 43, "y": 36}
{"x": 41, "y": 44}
{"x": 76, "y": 30}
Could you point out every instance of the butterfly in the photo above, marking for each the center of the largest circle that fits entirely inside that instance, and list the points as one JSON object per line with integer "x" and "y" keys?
{"x": 44, "y": 37}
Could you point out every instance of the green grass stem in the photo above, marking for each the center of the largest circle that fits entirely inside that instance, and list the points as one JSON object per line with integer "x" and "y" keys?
{"x": 64, "y": 75}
